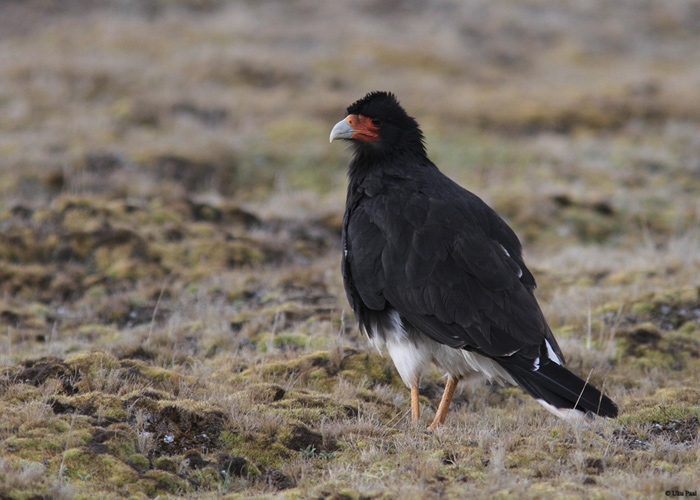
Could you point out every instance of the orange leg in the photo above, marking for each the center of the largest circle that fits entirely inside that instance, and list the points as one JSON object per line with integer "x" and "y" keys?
{"x": 441, "y": 413}
{"x": 415, "y": 405}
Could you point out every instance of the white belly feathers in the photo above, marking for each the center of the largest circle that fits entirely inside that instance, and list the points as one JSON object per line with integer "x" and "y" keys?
{"x": 412, "y": 353}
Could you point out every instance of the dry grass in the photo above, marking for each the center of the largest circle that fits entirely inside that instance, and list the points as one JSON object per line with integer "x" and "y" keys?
{"x": 172, "y": 319}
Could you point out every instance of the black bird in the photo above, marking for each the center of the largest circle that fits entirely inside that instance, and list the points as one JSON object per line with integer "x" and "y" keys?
{"x": 433, "y": 274}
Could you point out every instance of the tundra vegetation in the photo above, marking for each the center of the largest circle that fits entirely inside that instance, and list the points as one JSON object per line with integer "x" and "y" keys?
{"x": 173, "y": 318}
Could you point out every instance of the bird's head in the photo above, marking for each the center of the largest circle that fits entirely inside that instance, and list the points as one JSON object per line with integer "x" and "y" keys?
{"x": 378, "y": 125}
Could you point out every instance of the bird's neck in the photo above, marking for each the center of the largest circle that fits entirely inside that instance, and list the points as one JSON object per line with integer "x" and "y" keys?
{"x": 366, "y": 163}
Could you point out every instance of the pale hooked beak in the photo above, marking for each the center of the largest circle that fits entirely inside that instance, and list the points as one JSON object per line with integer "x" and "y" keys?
{"x": 342, "y": 130}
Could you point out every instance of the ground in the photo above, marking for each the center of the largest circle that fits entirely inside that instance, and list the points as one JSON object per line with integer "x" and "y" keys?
{"x": 173, "y": 318}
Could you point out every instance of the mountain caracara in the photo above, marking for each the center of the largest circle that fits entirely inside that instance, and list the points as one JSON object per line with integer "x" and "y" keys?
{"x": 435, "y": 275}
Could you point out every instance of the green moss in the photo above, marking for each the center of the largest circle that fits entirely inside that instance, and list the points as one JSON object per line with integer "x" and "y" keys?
{"x": 612, "y": 307}
{"x": 140, "y": 460}
{"x": 207, "y": 253}
{"x": 169, "y": 378}
{"x": 123, "y": 445}
{"x": 40, "y": 310}
{"x": 83, "y": 465}
{"x": 118, "y": 262}
{"x": 208, "y": 478}
{"x": 146, "y": 400}
{"x": 285, "y": 341}
{"x": 589, "y": 225}
{"x": 263, "y": 393}
{"x": 671, "y": 308}
{"x": 304, "y": 364}
{"x": 81, "y": 220}
{"x": 92, "y": 332}
{"x": 346, "y": 494}
{"x": 189, "y": 406}
{"x": 92, "y": 362}
{"x": 248, "y": 471}
{"x": 98, "y": 404}
{"x": 257, "y": 447}
{"x": 310, "y": 409}
{"x": 165, "y": 463}
{"x": 688, "y": 395}
{"x": 643, "y": 306}
{"x": 267, "y": 455}
{"x": 17, "y": 394}
{"x": 625, "y": 277}
{"x": 649, "y": 359}
{"x": 35, "y": 448}
{"x": 41, "y": 440}
{"x": 646, "y": 347}
{"x": 544, "y": 490}
{"x": 370, "y": 367}
{"x": 664, "y": 406}
{"x": 691, "y": 329}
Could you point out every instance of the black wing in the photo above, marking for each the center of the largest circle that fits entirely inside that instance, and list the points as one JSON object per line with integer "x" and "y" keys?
{"x": 447, "y": 263}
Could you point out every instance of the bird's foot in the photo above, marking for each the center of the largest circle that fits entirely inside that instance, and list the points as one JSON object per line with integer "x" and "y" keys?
{"x": 433, "y": 427}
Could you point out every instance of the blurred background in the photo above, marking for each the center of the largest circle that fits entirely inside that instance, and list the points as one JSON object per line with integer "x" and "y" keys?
{"x": 595, "y": 101}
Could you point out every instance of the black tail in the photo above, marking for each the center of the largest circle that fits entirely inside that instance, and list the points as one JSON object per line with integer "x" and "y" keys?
{"x": 560, "y": 388}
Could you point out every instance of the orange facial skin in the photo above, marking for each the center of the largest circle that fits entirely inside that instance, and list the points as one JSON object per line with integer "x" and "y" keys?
{"x": 363, "y": 128}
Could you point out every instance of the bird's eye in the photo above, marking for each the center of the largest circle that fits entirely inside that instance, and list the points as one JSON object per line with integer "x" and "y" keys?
{"x": 376, "y": 122}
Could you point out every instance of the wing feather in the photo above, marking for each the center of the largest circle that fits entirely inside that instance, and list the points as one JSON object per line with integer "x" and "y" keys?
{"x": 449, "y": 265}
